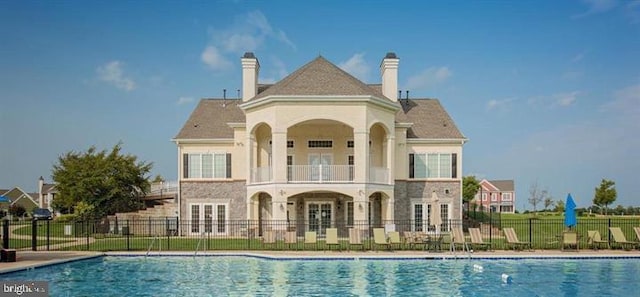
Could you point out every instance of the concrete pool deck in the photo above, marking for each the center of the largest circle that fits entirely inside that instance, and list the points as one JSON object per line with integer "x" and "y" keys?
{"x": 31, "y": 260}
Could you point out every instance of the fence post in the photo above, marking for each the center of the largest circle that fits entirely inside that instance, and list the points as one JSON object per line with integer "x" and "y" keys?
{"x": 530, "y": 233}
{"x": 5, "y": 234}
{"x": 168, "y": 231}
{"x": 609, "y": 232}
{"x": 48, "y": 221}
{"x": 34, "y": 235}
{"x": 128, "y": 232}
{"x": 248, "y": 235}
{"x": 490, "y": 228}
{"x": 86, "y": 232}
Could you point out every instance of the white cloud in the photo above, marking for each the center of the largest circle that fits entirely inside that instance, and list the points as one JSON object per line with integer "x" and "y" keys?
{"x": 565, "y": 99}
{"x": 113, "y": 74}
{"x": 596, "y": 7}
{"x": 212, "y": 57}
{"x": 356, "y": 66}
{"x": 503, "y": 105}
{"x": 428, "y": 77}
{"x": 184, "y": 100}
{"x": 248, "y": 32}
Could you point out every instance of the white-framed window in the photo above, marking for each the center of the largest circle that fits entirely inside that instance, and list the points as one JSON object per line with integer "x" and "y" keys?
{"x": 350, "y": 144}
{"x": 506, "y": 197}
{"x": 290, "y": 144}
{"x": 484, "y": 196}
{"x": 494, "y": 196}
{"x": 209, "y": 218}
{"x": 432, "y": 165}
{"x": 206, "y": 165}
{"x": 320, "y": 143}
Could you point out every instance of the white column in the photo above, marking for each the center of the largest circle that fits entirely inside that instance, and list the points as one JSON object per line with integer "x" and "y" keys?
{"x": 361, "y": 156}
{"x": 279, "y": 156}
{"x": 391, "y": 157}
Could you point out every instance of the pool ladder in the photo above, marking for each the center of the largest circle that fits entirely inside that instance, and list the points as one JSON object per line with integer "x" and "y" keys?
{"x": 153, "y": 241}
{"x": 202, "y": 235}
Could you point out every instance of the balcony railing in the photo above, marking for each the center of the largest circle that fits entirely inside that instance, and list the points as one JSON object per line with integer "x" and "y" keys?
{"x": 320, "y": 174}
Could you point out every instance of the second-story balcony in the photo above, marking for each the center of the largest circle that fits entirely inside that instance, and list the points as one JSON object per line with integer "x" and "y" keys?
{"x": 320, "y": 174}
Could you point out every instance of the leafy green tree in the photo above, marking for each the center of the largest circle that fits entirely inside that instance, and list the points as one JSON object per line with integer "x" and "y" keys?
{"x": 470, "y": 187}
{"x": 106, "y": 182}
{"x": 158, "y": 179}
{"x": 605, "y": 194}
{"x": 548, "y": 202}
{"x": 559, "y": 206}
{"x": 17, "y": 210}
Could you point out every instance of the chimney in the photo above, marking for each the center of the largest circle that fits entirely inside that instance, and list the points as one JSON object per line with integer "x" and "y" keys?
{"x": 389, "y": 73}
{"x": 250, "y": 68}
{"x": 40, "y": 194}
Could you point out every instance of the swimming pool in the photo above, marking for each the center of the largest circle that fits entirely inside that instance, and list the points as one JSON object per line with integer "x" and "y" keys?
{"x": 252, "y": 276}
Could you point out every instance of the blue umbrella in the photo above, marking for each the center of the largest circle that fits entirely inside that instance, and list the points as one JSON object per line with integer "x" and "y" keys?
{"x": 4, "y": 199}
{"x": 570, "y": 212}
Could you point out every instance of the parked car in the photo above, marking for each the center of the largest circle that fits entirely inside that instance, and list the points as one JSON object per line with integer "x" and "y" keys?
{"x": 42, "y": 214}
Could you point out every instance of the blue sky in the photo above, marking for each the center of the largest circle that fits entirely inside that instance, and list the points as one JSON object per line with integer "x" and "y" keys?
{"x": 546, "y": 91}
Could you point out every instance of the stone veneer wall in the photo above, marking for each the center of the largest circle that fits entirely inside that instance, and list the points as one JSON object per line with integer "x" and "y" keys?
{"x": 406, "y": 190}
{"x": 233, "y": 192}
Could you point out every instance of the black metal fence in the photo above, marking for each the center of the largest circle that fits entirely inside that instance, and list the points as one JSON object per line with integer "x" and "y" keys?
{"x": 154, "y": 234}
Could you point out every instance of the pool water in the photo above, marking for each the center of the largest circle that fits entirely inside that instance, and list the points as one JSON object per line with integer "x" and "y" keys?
{"x": 248, "y": 276}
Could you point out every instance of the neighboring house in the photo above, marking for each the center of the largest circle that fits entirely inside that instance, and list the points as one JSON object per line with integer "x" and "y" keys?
{"x": 46, "y": 193}
{"x": 500, "y": 195}
{"x": 319, "y": 148}
{"x": 20, "y": 197}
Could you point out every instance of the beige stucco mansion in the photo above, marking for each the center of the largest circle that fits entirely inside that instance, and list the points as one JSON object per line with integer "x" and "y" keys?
{"x": 319, "y": 148}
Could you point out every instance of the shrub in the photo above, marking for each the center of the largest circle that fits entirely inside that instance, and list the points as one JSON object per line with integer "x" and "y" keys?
{"x": 65, "y": 218}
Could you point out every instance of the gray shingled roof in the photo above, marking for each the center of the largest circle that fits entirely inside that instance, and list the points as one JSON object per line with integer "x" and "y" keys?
{"x": 503, "y": 185}
{"x": 319, "y": 77}
{"x": 429, "y": 119}
{"x": 210, "y": 118}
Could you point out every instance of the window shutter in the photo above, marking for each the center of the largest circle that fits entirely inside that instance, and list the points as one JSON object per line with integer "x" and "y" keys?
{"x": 228, "y": 165}
{"x": 411, "y": 161}
{"x": 185, "y": 165}
{"x": 454, "y": 166}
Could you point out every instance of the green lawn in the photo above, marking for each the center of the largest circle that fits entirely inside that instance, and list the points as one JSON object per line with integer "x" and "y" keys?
{"x": 25, "y": 243}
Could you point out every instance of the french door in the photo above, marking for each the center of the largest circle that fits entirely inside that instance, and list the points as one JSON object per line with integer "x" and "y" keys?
{"x": 320, "y": 163}
{"x": 319, "y": 216}
{"x": 208, "y": 218}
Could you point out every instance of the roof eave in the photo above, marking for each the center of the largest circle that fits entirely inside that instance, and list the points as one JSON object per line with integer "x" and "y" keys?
{"x": 460, "y": 141}
{"x": 382, "y": 102}
{"x": 202, "y": 140}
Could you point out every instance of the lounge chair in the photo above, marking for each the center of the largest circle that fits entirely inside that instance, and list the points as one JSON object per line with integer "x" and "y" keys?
{"x": 408, "y": 239}
{"x": 380, "y": 239}
{"x": 457, "y": 238}
{"x": 332, "y": 238}
{"x": 476, "y": 239}
{"x": 355, "y": 238}
{"x": 290, "y": 238}
{"x": 394, "y": 238}
{"x": 620, "y": 239}
{"x": 512, "y": 239}
{"x": 570, "y": 239}
{"x": 310, "y": 238}
{"x": 594, "y": 240}
{"x": 637, "y": 230}
{"x": 268, "y": 239}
